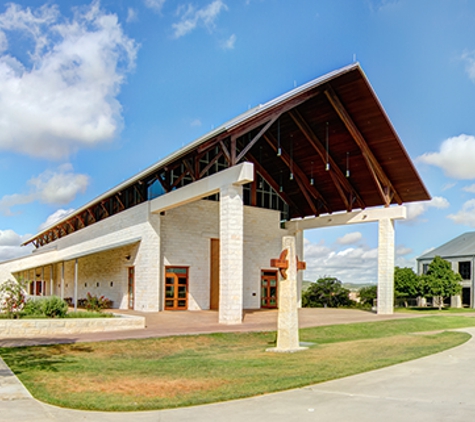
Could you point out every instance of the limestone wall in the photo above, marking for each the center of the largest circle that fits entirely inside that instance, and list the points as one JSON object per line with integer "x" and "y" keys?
{"x": 13, "y": 328}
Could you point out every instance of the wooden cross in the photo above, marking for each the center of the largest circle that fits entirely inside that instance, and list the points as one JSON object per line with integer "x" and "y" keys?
{"x": 283, "y": 264}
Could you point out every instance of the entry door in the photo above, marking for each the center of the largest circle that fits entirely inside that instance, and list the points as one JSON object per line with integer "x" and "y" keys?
{"x": 269, "y": 289}
{"x": 131, "y": 287}
{"x": 214, "y": 275}
{"x": 176, "y": 288}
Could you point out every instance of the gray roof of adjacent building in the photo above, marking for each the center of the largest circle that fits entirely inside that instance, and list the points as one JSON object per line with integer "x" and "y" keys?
{"x": 461, "y": 246}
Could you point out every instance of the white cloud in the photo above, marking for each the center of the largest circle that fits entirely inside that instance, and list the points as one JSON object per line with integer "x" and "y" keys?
{"x": 155, "y": 5}
{"x": 466, "y": 215}
{"x": 190, "y": 17}
{"x": 10, "y": 245}
{"x": 64, "y": 97}
{"x": 50, "y": 187}
{"x": 53, "y": 218}
{"x": 455, "y": 157}
{"x": 132, "y": 15}
{"x": 470, "y": 188}
{"x": 351, "y": 264}
{"x": 469, "y": 58}
{"x": 416, "y": 209}
{"x": 350, "y": 238}
{"x": 196, "y": 123}
{"x": 355, "y": 265}
{"x": 229, "y": 43}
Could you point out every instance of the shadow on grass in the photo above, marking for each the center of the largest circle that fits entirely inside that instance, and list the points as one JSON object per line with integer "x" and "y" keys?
{"x": 27, "y": 359}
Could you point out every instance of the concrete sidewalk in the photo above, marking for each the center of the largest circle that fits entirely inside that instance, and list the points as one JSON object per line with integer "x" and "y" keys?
{"x": 436, "y": 388}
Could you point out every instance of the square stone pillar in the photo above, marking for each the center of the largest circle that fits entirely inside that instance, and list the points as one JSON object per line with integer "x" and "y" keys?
{"x": 385, "y": 266}
{"x": 231, "y": 233}
{"x": 299, "y": 247}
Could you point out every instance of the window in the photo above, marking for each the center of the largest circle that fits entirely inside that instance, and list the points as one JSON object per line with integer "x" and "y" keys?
{"x": 425, "y": 268}
{"x": 465, "y": 270}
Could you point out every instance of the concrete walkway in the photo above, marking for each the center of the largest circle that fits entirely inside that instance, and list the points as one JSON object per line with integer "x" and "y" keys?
{"x": 436, "y": 388}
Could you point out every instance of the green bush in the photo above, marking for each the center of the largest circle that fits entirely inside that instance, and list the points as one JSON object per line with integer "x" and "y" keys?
{"x": 49, "y": 307}
{"x": 12, "y": 297}
{"x": 54, "y": 307}
{"x": 33, "y": 307}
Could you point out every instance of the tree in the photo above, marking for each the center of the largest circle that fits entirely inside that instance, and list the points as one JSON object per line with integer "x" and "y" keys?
{"x": 326, "y": 292}
{"x": 441, "y": 281}
{"x": 12, "y": 297}
{"x": 406, "y": 283}
{"x": 368, "y": 294}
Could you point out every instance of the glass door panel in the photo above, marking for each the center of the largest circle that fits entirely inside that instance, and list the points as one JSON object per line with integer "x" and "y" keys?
{"x": 176, "y": 288}
{"x": 269, "y": 289}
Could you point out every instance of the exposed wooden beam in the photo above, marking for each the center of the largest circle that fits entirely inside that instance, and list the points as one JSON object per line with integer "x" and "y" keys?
{"x": 270, "y": 180}
{"x": 225, "y": 150}
{"x": 211, "y": 164}
{"x": 321, "y": 151}
{"x": 306, "y": 186}
{"x": 257, "y": 137}
{"x": 189, "y": 167}
{"x": 368, "y": 155}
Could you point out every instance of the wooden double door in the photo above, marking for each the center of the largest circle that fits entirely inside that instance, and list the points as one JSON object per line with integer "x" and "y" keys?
{"x": 269, "y": 289}
{"x": 176, "y": 288}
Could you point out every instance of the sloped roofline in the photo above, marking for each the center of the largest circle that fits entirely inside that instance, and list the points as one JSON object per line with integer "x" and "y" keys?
{"x": 229, "y": 125}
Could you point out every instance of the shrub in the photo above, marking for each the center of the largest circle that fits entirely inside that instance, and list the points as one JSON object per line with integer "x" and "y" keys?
{"x": 12, "y": 298}
{"x": 97, "y": 303}
{"x": 368, "y": 294}
{"x": 54, "y": 307}
{"x": 33, "y": 307}
{"x": 50, "y": 307}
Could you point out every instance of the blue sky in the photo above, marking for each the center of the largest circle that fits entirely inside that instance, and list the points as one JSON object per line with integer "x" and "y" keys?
{"x": 92, "y": 93}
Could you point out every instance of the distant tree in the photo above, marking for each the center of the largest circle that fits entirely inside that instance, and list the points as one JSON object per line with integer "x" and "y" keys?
{"x": 406, "y": 283}
{"x": 441, "y": 281}
{"x": 326, "y": 292}
{"x": 368, "y": 294}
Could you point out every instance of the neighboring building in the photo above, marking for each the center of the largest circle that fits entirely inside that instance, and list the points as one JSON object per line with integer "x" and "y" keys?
{"x": 460, "y": 252}
{"x": 197, "y": 230}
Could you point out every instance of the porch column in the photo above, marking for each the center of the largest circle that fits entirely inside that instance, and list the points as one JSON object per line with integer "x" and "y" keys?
{"x": 75, "y": 284}
{"x": 51, "y": 289}
{"x": 385, "y": 266}
{"x": 62, "y": 280}
{"x": 231, "y": 229}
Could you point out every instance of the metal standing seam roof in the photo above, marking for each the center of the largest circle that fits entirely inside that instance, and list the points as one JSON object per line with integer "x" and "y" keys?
{"x": 463, "y": 245}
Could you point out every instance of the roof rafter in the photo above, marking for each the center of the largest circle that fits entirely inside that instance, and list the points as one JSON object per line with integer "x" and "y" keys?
{"x": 338, "y": 177}
{"x": 375, "y": 168}
{"x": 301, "y": 178}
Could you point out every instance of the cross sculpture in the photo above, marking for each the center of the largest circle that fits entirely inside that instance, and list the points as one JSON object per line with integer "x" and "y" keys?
{"x": 287, "y": 323}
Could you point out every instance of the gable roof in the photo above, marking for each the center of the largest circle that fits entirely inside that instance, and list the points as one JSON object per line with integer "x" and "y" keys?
{"x": 463, "y": 245}
{"x": 324, "y": 147}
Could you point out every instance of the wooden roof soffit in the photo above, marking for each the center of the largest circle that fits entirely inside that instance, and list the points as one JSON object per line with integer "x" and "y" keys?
{"x": 300, "y": 177}
{"x": 346, "y": 191}
{"x": 384, "y": 185}
{"x": 269, "y": 179}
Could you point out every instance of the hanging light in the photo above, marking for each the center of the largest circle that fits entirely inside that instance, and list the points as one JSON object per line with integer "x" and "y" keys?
{"x": 281, "y": 188}
{"x": 279, "y": 150}
{"x": 311, "y": 175}
{"x": 327, "y": 165}
{"x": 291, "y": 159}
{"x": 348, "y": 164}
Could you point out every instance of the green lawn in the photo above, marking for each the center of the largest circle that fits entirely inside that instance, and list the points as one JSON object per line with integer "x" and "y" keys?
{"x": 187, "y": 370}
{"x": 430, "y": 311}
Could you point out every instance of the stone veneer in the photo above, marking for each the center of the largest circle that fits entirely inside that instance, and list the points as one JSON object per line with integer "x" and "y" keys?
{"x": 15, "y": 328}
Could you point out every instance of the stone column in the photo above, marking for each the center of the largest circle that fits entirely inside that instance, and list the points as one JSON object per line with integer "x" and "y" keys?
{"x": 385, "y": 267}
{"x": 300, "y": 254}
{"x": 231, "y": 232}
{"x": 76, "y": 284}
{"x": 288, "y": 318}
